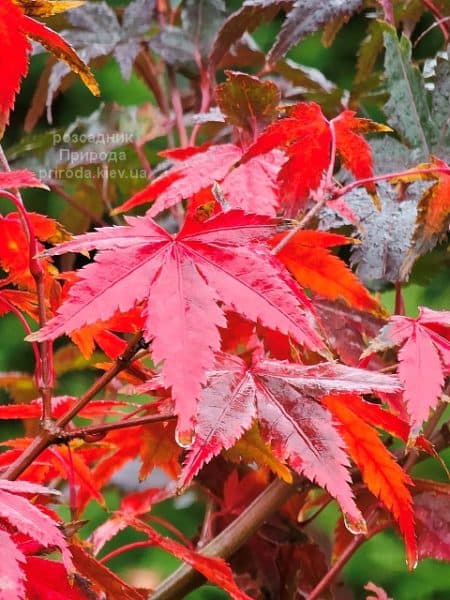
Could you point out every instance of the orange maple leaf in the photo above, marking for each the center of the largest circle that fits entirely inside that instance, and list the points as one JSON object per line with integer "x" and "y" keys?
{"x": 16, "y": 27}
{"x": 382, "y": 475}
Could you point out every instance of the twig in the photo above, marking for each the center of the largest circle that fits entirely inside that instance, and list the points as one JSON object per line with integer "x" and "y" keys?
{"x": 94, "y": 432}
{"x": 309, "y": 215}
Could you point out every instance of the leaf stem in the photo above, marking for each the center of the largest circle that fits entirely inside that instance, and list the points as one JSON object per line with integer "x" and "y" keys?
{"x": 399, "y": 300}
{"x": 185, "y": 578}
{"x": 126, "y": 548}
{"x": 45, "y": 375}
{"x": 330, "y": 171}
{"x": 300, "y": 225}
{"x": 433, "y": 422}
{"x": 177, "y": 107}
{"x": 386, "y": 176}
{"x": 205, "y": 88}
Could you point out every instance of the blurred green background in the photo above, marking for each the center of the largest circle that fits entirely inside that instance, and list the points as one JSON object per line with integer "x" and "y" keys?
{"x": 381, "y": 560}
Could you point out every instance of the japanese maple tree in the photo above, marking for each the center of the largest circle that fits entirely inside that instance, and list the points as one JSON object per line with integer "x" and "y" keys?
{"x": 214, "y": 272}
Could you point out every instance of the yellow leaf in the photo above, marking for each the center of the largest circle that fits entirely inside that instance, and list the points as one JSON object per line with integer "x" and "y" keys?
{"x": 251, "y": 448}
{"x": 46, "y": 8}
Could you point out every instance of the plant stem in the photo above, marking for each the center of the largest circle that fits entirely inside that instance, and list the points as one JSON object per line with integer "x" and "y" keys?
{"x": 126, "y": 548}
{"x": 185, "y": 578}
{"x": 300, "y": 225}
{"x": 399, "y": 300}
{"x": 205, "y": 88}
{"x": 45, "y": 373}
{"x": 413, "y": 457}
{"x": 177, "y": 107}
{"x": 90, "y": 432}
{"x": 334, "y": 571}
{"x": 48, "y": 436}
{"x": 386, "y": 176}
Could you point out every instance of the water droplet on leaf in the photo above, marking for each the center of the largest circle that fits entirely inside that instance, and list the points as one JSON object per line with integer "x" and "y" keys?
{"x": 411, "y": 560}
{"x": 355, "y": 526}
{"x": 185, "y": 439}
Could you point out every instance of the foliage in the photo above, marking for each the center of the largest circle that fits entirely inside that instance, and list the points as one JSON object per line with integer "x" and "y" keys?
{"x": 236, "y": 354}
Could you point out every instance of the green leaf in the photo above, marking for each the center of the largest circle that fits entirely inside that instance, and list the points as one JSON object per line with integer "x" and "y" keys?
{"x": 407, "y": 109}
{"x": 247, "y": 102}
{"x": 369, "y": 51}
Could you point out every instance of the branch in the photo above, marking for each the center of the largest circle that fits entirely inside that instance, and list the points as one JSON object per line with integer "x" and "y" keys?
{"x": 49, "y": 435}
{"x": 93, "y": 433}
{"x": 185, "y": 578}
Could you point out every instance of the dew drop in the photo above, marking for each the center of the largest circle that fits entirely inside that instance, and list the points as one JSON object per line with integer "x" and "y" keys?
{"x": 411, "y": 561}
{"x": 355, "y": 526}
{"x": 185, "y": 439}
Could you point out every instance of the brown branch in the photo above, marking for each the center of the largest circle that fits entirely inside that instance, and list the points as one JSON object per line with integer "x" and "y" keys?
{"x": 94, "y": 432}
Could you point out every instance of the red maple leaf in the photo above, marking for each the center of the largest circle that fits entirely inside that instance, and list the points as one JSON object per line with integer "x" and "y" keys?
{"x": 432, "y": 510}
{"x": 284, "y": 398}
{"x": 14, "y": 247}
{"x": 15, "y": 29}
{"x": 306, "y": 136}
{"x": 19, "y": 179}
{"x": 181, "y": 278}
{"x": 19, "y": 514}
{"x": 214, "y": 569}
{"x": 424, "y": 359}
{"x": 251, "y": 186}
